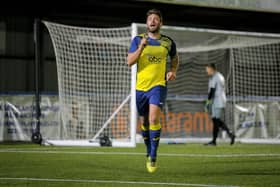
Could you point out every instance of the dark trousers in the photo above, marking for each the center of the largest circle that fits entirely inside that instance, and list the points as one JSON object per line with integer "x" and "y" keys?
{"x": 217, "y": 124}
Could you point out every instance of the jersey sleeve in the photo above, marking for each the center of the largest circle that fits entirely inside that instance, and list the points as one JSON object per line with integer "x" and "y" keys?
{"x": 212, "y": 83}
{"x": 134, "y": 44}
{"x": 173, "y": 50}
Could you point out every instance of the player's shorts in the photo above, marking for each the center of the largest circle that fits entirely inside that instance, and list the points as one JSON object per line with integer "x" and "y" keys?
{"x": 217, "y": 112}
{"x": 155, "y": 96}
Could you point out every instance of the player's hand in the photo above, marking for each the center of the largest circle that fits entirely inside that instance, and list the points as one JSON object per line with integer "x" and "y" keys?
{"x": 170, "y": 76}
{"x": 144, "y": 41}
{"x": 207, "y": 105}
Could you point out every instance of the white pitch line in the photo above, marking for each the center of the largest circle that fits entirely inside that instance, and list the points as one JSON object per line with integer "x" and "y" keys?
{"x": 113, "y": 182}
{"x": 138, "y": 154}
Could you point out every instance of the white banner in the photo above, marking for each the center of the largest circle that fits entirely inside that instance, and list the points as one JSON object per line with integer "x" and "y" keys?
{"x": 17, "y": 120}
{"x": 17, "y": 117}
{"x": 257, "y": 120}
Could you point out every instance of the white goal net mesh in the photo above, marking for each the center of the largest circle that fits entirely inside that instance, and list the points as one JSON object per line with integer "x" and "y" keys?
{"x": 94, "y": 82}
{"x": 250, "y": 63}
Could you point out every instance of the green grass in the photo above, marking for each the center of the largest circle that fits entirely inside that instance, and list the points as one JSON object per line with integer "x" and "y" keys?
{"x": 190, "y": 164}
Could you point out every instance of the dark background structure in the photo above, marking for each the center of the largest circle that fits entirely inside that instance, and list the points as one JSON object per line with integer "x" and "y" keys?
{"x": 17, "y": 34}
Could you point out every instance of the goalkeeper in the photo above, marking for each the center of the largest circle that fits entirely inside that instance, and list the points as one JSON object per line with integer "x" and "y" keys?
{"x": 216, "y": 103}
{"x": 150, "y": 51}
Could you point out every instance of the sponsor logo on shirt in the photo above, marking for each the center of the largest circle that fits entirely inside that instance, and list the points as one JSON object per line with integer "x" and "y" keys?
{"x": 154, "y": 59}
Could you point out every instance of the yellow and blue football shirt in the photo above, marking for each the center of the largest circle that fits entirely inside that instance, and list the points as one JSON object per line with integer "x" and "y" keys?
{"x": 151, "y": 65}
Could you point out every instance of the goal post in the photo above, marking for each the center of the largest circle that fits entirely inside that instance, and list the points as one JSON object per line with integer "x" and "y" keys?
{"x": 97, "y": 89}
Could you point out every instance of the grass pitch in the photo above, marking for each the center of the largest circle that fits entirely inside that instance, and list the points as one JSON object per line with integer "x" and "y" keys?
{"x": 178, "y": 165}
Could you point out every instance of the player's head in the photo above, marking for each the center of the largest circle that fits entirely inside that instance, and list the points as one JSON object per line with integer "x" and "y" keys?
{"x": 154, "y": 20}
{"x": 211, "y": 69}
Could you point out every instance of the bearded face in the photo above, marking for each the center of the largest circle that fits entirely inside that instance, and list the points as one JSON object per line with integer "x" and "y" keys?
{"x": 153, "y": 23}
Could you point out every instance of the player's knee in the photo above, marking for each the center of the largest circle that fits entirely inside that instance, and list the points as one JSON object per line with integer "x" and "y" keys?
{"x": 144, "y": 121}
{"x": 153, "y": 120}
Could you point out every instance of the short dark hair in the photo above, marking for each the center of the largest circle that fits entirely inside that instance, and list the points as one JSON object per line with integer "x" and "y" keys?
{"x": 212, "y": 65}
{"x": 156, "y": 12}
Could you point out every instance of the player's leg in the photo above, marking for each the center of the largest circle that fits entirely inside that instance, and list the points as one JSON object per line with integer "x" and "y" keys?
{"x": 222, "y": 125}
{"x": 142, "y": 104}
{"x": 155, "y": 129}
{"x": 144, "y": 120}
{"x": 225, "y": 127}
{"x": 215, "y": 131}
{"x": 157, "y": 100}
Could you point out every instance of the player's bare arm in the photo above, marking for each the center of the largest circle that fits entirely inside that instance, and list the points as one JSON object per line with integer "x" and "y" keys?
{"x": 132, "y": 58}
{"x": 171, "y": 75}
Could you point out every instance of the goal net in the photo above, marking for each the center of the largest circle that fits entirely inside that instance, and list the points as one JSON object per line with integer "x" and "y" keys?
{"x": 94, "y": 85}
{"x": 250, "y": 63}
{"x": 97, "y": 89}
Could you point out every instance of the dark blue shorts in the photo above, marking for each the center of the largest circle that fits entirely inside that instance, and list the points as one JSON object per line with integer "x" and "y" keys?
{"x": 155, "y": 95}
